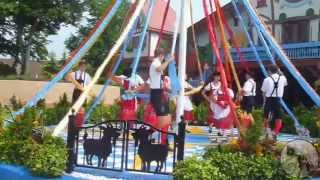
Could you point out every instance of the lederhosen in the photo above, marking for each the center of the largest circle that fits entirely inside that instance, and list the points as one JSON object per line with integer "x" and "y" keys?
{"x": 160, "y": 100}
{"x": 129, "y": 104}
{"x": 247, "y": 102}
{"x": 273, "y": 105}
{"x": 77, "y": 92}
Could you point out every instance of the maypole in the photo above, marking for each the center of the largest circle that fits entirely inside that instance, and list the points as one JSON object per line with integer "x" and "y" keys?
{"x": 63, "y": 123}
{"x": 182, "y": 58}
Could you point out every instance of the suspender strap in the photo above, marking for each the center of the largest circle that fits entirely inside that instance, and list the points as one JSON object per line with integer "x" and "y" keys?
{"x": 275, "y": 85}
{"x": 253, "y": 87}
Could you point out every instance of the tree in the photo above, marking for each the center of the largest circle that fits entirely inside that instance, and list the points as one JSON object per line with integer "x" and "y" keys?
{"x": 99, "y": 51}
{"x": 25, "y": 25}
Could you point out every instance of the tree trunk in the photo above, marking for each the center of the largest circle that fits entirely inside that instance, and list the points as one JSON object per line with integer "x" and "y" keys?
{"x": 27, "y": 47}
{"x": 19, "y": 43}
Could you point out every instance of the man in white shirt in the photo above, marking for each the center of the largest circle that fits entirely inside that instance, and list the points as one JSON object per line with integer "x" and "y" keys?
{"x": 248, "y": 93}
{"x": 273, "y": 90}
{"x": 80, "y": 79}
{"x": 157, "y": 97}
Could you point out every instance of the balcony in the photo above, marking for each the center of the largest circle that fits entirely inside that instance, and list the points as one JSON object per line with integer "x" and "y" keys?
{"x": 296, "y": 51}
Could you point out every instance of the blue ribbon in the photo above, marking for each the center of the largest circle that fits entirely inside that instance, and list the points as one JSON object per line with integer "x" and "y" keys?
{"x": 92, "y": 39}
{"x": 143, "y": 35}
{"x": 293, "y": 71}
{"x": 264, "y": 71}
{"x": 99, "y": 98}
{"x": 174, "y": 80}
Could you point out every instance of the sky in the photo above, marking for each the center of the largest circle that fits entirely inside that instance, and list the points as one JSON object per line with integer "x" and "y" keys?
{"x": 56, "y": 42}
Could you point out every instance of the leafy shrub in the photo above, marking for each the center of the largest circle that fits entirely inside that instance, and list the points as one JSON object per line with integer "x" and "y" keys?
{"x": 48, "y": 159}
{"x": 54, "y": 114}
{"x": 51, "y": 68}
{"x": 15, "y": 103}
{"x": 194, "y": 169}
{"x": 15, "y": 141}
{"x": 3, "y": 115}
{"x": 201, "y": 113}
{"x": 308, "y": 118}
{"x": 17, "y": 146}
{"x": 230, "y": 165}
{"x": 6, "y": 70}
{"x": 104, "y": 112}
{"x": 253, "y": 134}
{"x": 140, "y": 112}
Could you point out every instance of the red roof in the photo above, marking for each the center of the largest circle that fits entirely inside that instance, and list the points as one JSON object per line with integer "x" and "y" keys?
{"x": 157, "y": 16}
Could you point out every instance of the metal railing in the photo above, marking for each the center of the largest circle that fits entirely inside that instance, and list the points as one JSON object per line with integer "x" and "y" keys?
{"x": 124, "y": 145}
{"x": 295, "y": 51}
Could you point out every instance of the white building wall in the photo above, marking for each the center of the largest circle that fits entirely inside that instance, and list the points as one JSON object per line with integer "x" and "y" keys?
{"x": 314, "y": 29}
{"x": 265, "y": 14}
{"x": 153, "y": 42}
{"x": 293, "y": 10}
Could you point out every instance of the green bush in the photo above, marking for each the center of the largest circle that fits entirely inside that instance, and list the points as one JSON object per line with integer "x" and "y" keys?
{"x": 6, "y": 70}
{"x": 18, "y": 146}
{"x": 48, "y": 159}
{"x": 3, "y": 115}
{"x": 195, "y": 169}
{"x": 201, "y": 113}
{"x": 254, "y": 133}
{"x": 225, "y": 164}
{"x": 15, "y": 103}
{"x": 307, "y": 117}
{"x": 53, "y": 115}
{"x": 105, "y": 112}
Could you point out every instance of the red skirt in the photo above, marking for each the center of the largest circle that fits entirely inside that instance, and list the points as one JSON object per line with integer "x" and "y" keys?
{"x": 150, "y": 116}
{"x": 188, "y": 116}
{"x": 128, "y": 110}
{"x": 224, "y": 123}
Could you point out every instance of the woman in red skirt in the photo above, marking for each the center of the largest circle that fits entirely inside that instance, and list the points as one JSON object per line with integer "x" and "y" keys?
{"x": 221, "y": 116}
{"x": 129, "y": 102}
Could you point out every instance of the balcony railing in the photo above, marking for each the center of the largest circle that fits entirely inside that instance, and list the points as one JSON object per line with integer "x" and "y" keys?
{"x": 296, "y": 51}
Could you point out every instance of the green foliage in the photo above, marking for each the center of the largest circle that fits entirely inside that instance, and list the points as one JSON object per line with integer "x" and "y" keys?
{"x": 224, "y": 164}
{"x": 25, "y": 25}
{"x": 15, "y": 103}
{"x": 15, "y": 141}
{"x": 103, "y": 112}
{"x": 6, "y": 70}
{"x": 254, "y": 133}
{"x": 205, "y": 53}
{"x": 140, "y": 112}
{"x": 48, "y": 159}
{"x": 3, "y": 115}
{"x": 96, "y": 54}
{"x": 51, "y": 68}
{"x": 18, "y": 147}
{"x": 201, "y": 113}
{"x": 307, "y": 117}
{"x": 194, "y": 169}
{"x": 54, "y": 114}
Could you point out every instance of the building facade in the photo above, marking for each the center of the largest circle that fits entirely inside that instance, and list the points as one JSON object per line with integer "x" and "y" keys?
{"x": 295, "y": 24}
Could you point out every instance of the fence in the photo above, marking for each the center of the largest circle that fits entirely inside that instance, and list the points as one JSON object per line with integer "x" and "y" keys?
{"x": 124, "y": 145}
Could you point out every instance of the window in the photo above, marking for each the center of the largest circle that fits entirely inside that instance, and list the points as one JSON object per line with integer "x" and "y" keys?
{"x": 261, "y": 3}
{"x": 295, "y": 31}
